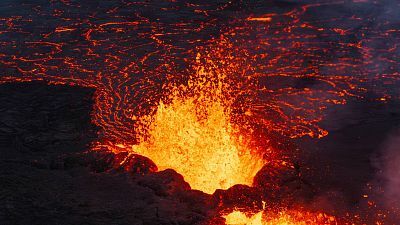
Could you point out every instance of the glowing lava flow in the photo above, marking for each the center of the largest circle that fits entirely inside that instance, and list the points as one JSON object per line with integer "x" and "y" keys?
{"x": 193, "y": 135}
{"x": 298, "y": 59}
{"x": 283, "y": 218}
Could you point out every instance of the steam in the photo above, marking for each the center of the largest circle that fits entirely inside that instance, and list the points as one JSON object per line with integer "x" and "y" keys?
{"x": 388, "y": 177}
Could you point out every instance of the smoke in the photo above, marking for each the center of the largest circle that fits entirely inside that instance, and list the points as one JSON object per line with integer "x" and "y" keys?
{"x": 388, "y": 176}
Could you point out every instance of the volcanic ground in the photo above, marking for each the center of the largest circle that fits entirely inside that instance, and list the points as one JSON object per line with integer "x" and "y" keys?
{"x": 310, "y": 88}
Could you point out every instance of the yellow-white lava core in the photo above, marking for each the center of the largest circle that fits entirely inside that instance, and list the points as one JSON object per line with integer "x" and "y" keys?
{"x": 200, "y": 147}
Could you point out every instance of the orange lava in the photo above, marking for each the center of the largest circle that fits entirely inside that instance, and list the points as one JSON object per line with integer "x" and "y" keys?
{"x": 276, "y": 71}
{"x": 281, "y": 218}
{"x": 261, "y": 19}
{"x": 193, "y": 135}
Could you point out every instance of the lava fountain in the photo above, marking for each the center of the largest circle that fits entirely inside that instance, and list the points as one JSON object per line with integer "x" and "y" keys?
{"x": 193, "y": 134}
{"x": 298, "y": 61}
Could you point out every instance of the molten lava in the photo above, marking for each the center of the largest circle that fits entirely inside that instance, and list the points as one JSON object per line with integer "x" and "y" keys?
{"x": 297, "y": 59}
{"x": 282, "y": 218}
{"x": 202, "y": 150}
{"x": 194, "y": 136}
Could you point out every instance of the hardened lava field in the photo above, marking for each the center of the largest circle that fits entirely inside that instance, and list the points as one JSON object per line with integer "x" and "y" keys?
{"x": 224, "y": 93}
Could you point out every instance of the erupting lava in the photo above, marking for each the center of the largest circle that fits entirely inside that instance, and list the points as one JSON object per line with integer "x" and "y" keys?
{"x": 282, "y": 218}
{"x": 193, "y": 135}
{"x": 274, "y": 66}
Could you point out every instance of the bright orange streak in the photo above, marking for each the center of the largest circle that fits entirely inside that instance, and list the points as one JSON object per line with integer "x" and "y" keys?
{"x": 261, "y": 19}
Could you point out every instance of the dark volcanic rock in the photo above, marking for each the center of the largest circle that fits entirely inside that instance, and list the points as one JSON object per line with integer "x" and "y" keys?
{"x": 283, "y": 184}
{"x": 164, "y": 183}
{"x": 48, "y": 176}
{"x": 238, "y": 196}
{"x": 38, "y": 122}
